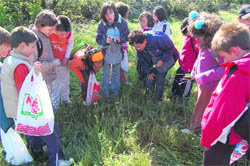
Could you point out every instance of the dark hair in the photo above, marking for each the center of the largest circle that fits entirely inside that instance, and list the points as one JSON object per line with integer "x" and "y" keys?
{"x": 184, "y": 26}
{"x": 160, "y": 12}
{"x": 231, "y": 35}
{"x": 45, "y": 18}
{"x": 122, "y": 9}
{"x": 21, "y": 34}
{"x": 63, "y": 24}
{"x": 4, "y": 36}
{"x": 108, "y": 6}
{"x": 136, "y": 36}
{"x": 149, "y": 18}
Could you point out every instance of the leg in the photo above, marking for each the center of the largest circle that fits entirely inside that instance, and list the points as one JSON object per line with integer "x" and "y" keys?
{"x": 203, "y": 99}
{"x": 150, "y": 86}
{"x": 219, "y": 154}
{"x": 64, "y": 79}
{"x": 105, "y": 79}
{"x": 55, "y": 89}
{"x": 116, "y": 78}
{"x": 160, "y": 85}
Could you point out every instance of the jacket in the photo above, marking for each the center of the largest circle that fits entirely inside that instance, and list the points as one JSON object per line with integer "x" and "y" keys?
{"x": 227, "y": 104}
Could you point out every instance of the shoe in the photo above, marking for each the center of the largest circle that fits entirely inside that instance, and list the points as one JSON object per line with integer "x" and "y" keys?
{"x": 66, "y": 162}
{"x": 186, "y": 131}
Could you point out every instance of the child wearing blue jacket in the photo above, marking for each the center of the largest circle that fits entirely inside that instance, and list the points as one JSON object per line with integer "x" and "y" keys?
{"x": 112, "y": 32}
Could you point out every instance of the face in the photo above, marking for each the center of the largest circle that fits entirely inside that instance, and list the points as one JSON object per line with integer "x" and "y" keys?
{"x": 140, "y": 46}
{"x": 110, "y": 16}
{"x": 98, "y": 64}
{"x": 4, "y": 49}
{"x": 228, "y": 57}
{"x": 246, "y": 22}
{"x": 47, "y": 30}
{"x": 62, "y": 34}
{"x": 144, "y": 22}
{"x": 29, "y": 49}
{"x": 155, "y": 17}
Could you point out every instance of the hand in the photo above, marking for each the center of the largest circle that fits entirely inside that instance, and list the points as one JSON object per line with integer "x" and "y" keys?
{"x": 159, "y": 63}
{"x": 151, "y": 77}
{"x": 118, "y": 40}
{"x": 109, "y": 40}
{"x": 65, "y": 61}
{"x": 37, "y": 67}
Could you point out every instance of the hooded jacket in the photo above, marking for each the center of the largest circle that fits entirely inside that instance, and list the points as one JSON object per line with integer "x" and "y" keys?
{"x": 227, "y": 104}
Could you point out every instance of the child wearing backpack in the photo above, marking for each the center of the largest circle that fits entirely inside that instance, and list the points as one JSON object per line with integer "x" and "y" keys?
{"x": 84, "y": 62}
{"x": 207, "y": 70}
{"x": 161, "y": 21}
{"x": 62, "y": 43}
{"x": 112, "y": 32}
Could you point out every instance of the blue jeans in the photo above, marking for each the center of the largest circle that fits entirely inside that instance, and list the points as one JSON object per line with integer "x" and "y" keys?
{"x": 156, "y": 87}
{"x": 115, "y": 78}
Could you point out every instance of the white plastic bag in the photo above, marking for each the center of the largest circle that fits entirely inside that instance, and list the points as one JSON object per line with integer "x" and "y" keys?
{"x": 125, "y": 63}
{"x": 93, "y": 89}
{"x": 16, "y": 151}
{"x": 35, "y": 115}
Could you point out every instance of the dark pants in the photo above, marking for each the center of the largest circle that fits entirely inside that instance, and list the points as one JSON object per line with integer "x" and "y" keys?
{"x": 156, "y": 87}
{"x": 53, "y": 143}
{"x": 220, "y": 153}
{"x": 84, "y": 86}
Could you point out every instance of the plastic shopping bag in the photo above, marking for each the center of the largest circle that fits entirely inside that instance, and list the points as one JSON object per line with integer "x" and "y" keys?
{"x": 16, "y": 151}
{"x": 93, "y": 89}
{"x": 125, "y": 63}
{"x": 35, "y": 115}
{"x": 239, "y": 151}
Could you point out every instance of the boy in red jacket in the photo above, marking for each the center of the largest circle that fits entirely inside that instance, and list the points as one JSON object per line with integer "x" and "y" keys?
{"x": 225, "y": 121}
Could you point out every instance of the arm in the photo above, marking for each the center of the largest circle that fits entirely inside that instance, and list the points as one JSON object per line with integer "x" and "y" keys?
{"x": 145, "y": 62}
{"x": 20, "y": 73}
{"x": 75, "y": 65}
{"x": 70, "y": 45}
{"x": 166, "y": 45}
{"x": 124, "y": 32}
{"x": 101, "y": 36}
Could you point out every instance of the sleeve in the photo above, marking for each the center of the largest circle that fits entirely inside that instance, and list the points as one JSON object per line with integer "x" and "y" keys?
{"x": 20, "y": 73}
{"x": 75, "y": 66}
{"x": 223, "y": 109}
{"x": 145, "y": 62}
{"x": 124, "y": 32}
{"x": 100, "y": 35}
{"x": 70, "y": 45}
{"x": 166, "y": 45}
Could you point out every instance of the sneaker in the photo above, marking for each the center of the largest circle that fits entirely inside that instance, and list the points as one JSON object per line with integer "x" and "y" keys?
{"x": 186, "y": 131}
{"x": 66, "y": 162}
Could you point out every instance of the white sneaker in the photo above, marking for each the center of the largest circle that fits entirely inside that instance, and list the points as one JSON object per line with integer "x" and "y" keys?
{"x": 66, "y": 162}
{"x": 186, "y": 131}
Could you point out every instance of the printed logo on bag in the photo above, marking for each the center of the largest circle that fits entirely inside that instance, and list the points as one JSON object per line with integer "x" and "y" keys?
{"x": 31, "y": 106}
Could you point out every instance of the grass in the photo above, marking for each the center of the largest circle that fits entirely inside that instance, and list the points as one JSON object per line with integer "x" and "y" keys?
{"x": 129, "y": 131}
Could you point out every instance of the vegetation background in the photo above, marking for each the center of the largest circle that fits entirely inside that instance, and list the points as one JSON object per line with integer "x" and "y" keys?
{"x": 128, "y": 131}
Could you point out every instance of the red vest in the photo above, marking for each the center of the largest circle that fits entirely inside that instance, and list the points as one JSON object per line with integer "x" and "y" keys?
{"x": 58, "y": 45}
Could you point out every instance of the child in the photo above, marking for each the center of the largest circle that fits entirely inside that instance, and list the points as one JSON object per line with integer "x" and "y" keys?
{"x": 15, "y": 68}
{"x": 207, "y": 70}
{"x": 62, "y": 42}
{"x": 85, "y": 61}
{"x": 157, "y": 57}
{"x": 225, "y": 121}
{"x": 188, "y": 55}
{"x": 146, "y": 21}
{"x": 161, "y": 22}
{"x": 45, "y": 23}
{"x": 112, "y": 32}
{"x": 123, "y": 10}
{"x": 244, "y": 15}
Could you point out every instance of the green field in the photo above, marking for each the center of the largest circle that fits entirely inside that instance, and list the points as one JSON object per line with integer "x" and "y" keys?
{"x": 129, "y": 131}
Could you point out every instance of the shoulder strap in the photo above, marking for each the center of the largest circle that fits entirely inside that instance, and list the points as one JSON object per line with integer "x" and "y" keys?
{"x": 232, "y": 70}
{"x": 192, "y": 44}
{"x": 164, "y": 28}
{"x": 39, "y": 45}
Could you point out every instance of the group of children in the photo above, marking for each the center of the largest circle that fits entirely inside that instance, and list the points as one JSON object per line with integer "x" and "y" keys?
{"x": 215, "y": 53}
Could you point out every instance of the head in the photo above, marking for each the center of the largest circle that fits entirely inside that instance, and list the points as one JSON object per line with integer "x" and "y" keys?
{"x": 159, "y": 14}
{"x": 23, "y": 41}
{"x": 4, "y": 42}
{"x": 45, "y": 22}
{"x": 109, "y": 12}
{"x": 231, "y": 41}
{"x": 204, "y": 27}
{"x": 122, "y": 9}
{"x": 137, "y": 39}
{"x": 63, "y": 27}
{"x": 184, "y": 26}
{"x": 244, "y": 15}
{"x": 146, "y": 20}
{"x": 97, "y": 59}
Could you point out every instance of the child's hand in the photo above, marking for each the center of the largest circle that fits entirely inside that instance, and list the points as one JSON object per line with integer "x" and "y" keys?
{"x": 65, "y": 61}
{"x": 159, "y": 63}
{"x": 37, "y": 67}
{"x": 151, "y": 77}
{"x": 109, "y": 40}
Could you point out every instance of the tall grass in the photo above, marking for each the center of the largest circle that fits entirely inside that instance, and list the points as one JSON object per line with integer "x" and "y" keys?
{"x": 128, "y": 130}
